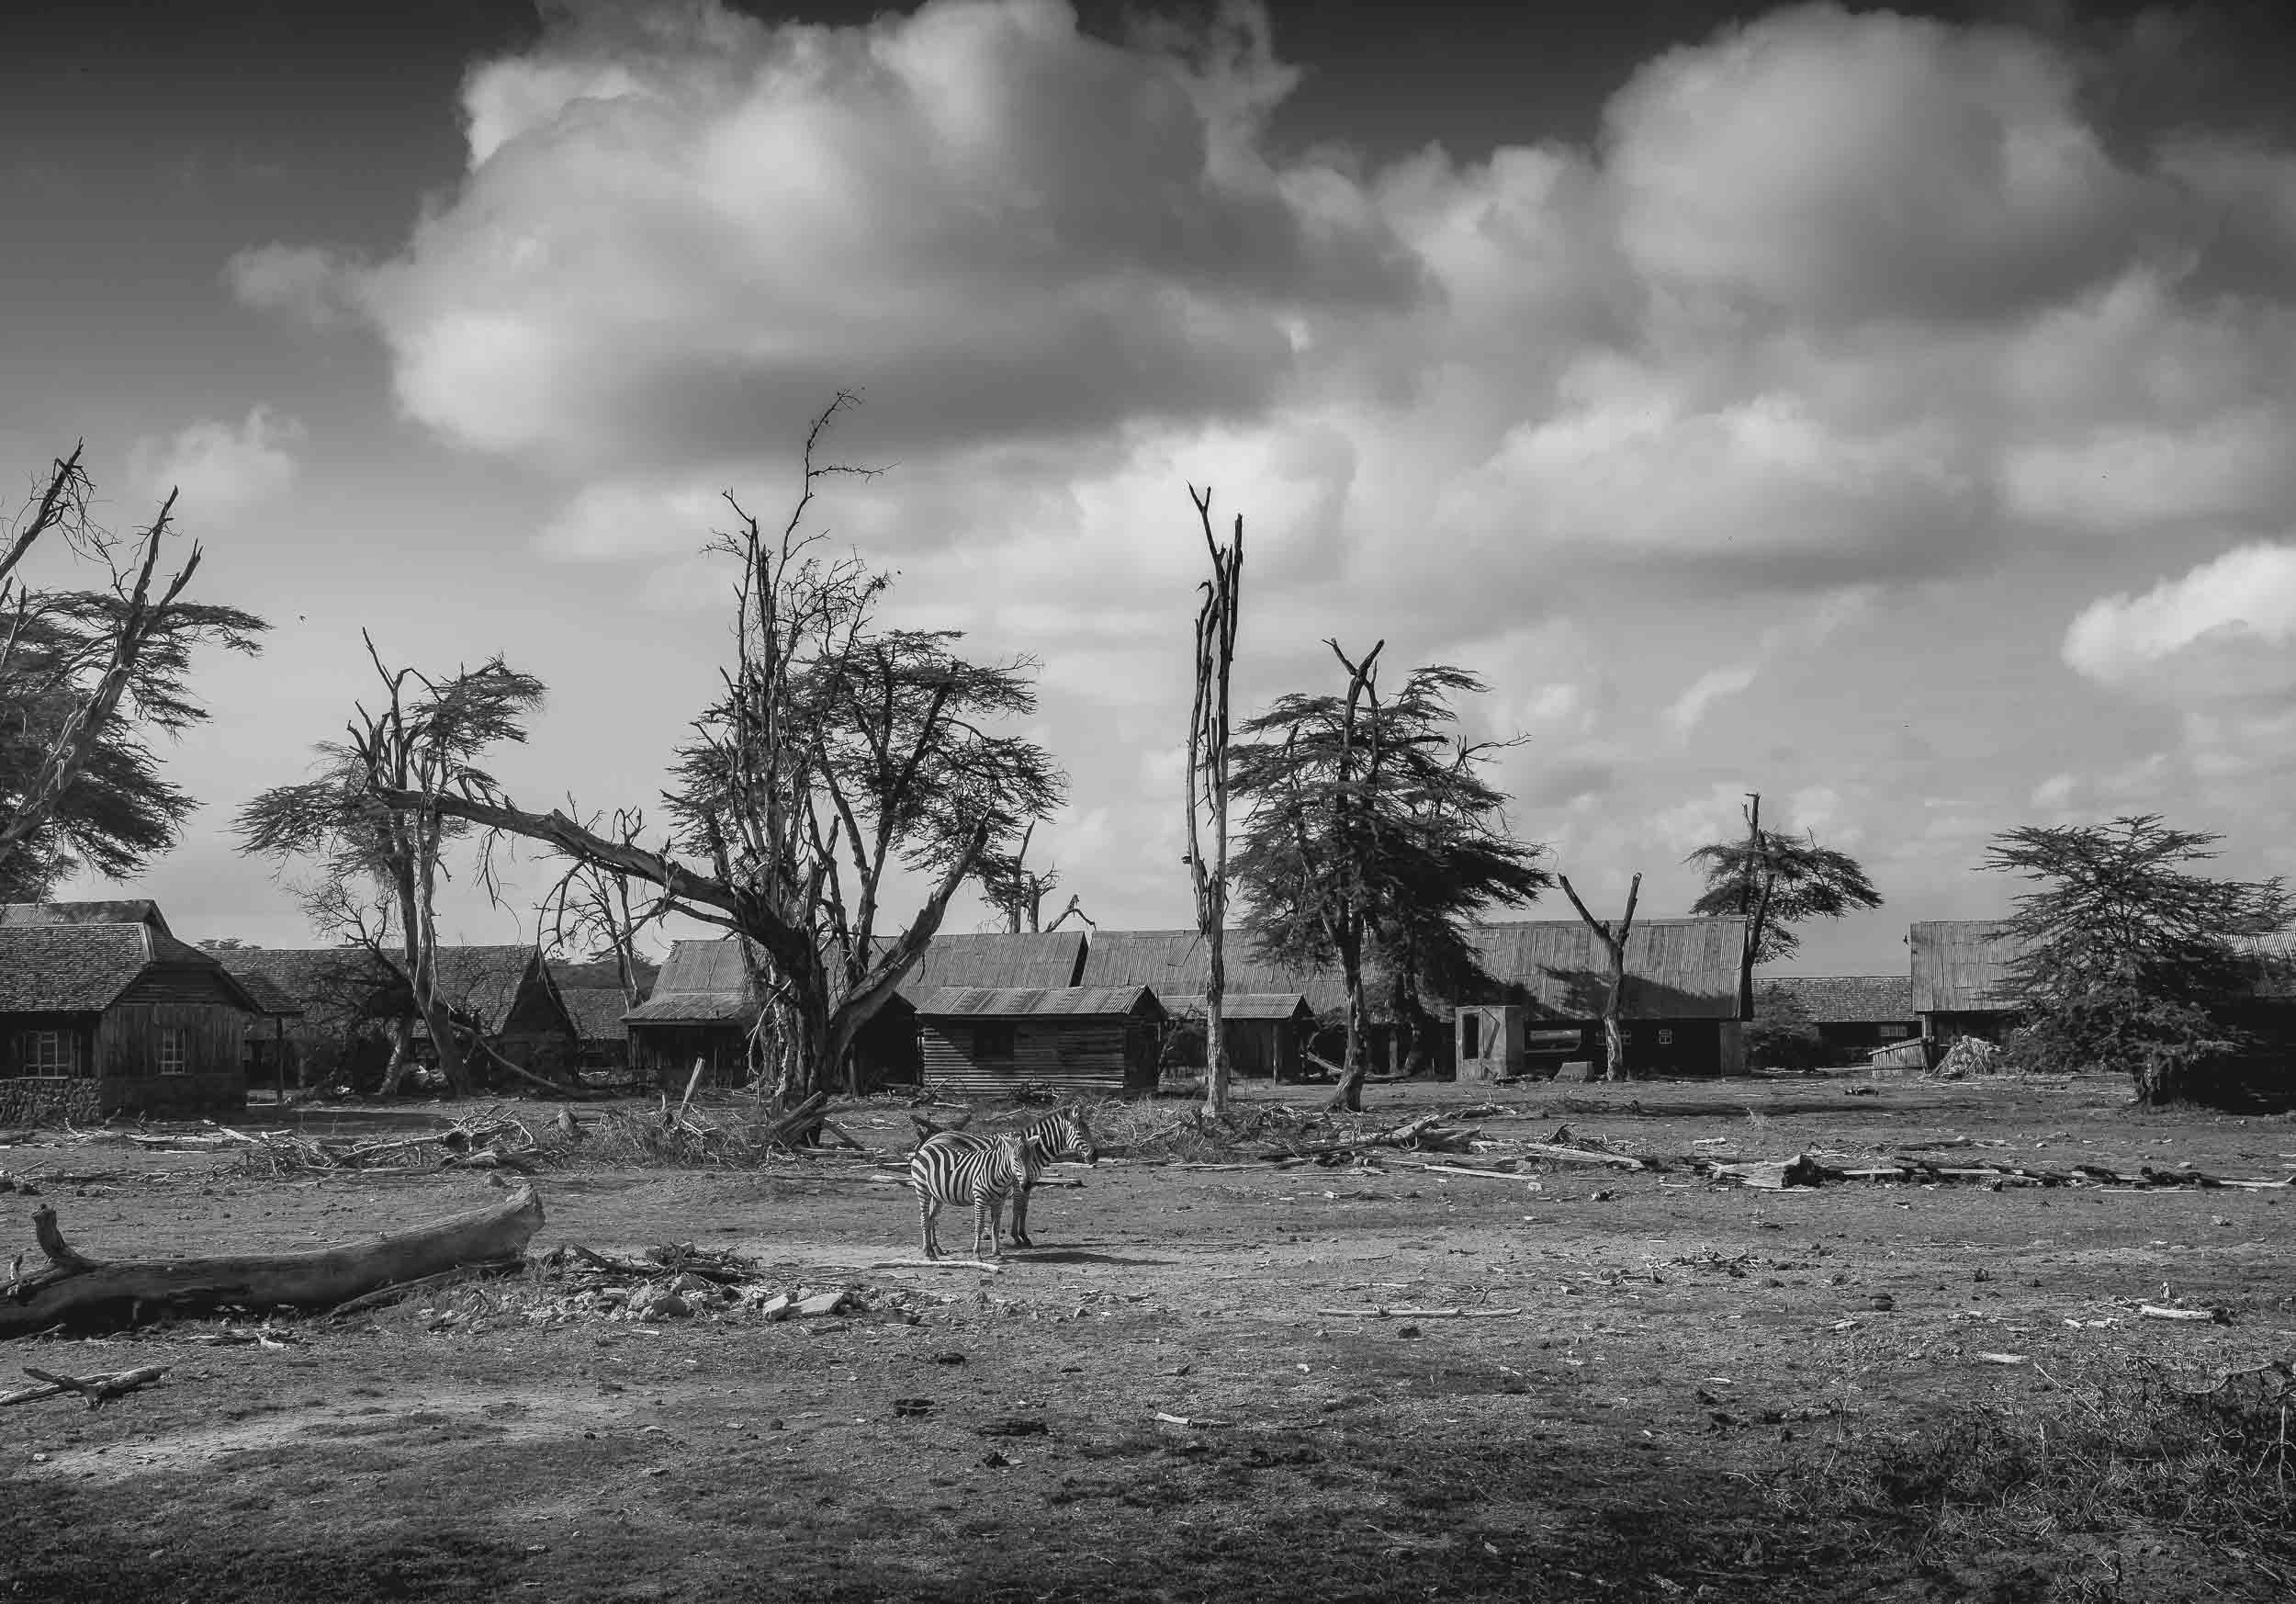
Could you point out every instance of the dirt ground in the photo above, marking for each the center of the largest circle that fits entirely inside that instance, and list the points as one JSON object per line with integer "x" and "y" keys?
{"x": 1683, "y": 1374}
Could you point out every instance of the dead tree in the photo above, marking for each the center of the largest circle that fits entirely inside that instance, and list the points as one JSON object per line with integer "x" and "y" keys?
{"x": 1615, "y": 947}
{"x": 837, "y": 754}
{"x": 1207, "y": 752}
{"x": 1014, "y": 889}
{"x": 589, "y": 910}
{"x": 82, "y": 673}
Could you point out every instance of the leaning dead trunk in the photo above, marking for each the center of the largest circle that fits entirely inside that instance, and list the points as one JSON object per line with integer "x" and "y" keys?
{"x": 78, "y": 1290}
{"x": 1348, "y": 1097}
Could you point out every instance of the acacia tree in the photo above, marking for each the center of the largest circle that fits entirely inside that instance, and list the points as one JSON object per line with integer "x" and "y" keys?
{"x": 1208, "y": 775}
{"x": 378, "y": 867}
{"x": 1613, "y": 942}
{"x": 1368, "y": 830}
{"x": 85, "y": 674}
{"x": 1774, "y": 882}
{"x": 2126, "y": 957}
{"x": 837, "y": 755}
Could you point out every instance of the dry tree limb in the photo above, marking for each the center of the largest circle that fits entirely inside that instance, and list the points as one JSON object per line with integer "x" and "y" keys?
{"x": 989, "y": 1265}
{"x": 1416, "y": 1313}
{"x": 97, "y": 1390}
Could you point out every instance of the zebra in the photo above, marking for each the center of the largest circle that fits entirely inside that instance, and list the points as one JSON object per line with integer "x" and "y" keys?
{"x": 983, "y": 1175}
{"x": 1063, "y": 1133}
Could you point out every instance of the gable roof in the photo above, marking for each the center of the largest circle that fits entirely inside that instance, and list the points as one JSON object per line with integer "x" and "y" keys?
{"x": 1961, "y": 965}
{"x": 1253, "y": 1005}
{"x": 1037, "y": 1002}
{"x": 700, "y": 983}
{"x": 1846, "y": 999}
{"x": 1676, "y": 968}
{"x": 995, "y": 959}
{"x": 339, "y": 986}
{"x": 1177, "y": 962}
{"x": 271, "y": 999}
{"x": 78, "y": 966}
{"x": 596, "y": 1010}
{"x": 594, "y": 974}
{"x": 125, "y": 910}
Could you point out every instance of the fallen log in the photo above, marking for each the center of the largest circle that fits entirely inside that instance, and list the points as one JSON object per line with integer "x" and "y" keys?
{"x": 1417, "y": 1314}
{"x": 78, "y": 1290}
{"x": 1773, "y": 1175}
{"x": 96, "y": 1389}
{"x": 1582, "y": 1156}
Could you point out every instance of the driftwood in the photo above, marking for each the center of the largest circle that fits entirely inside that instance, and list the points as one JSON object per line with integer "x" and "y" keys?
{"x": 81, "y": 1292}
{"x": 2156, "y": 1312}
{"x": 1771, "y": 1175}
{"x": 98, "y": 1390}
{"x": 1417, "y": 1314}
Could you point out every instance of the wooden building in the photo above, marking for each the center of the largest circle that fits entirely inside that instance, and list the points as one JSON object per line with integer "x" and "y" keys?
{"x": 702, "y": 1005}
{"x": 596, "y": 1001}
{"x": 1853, "y": 1014}
{"x": 103, "y": 1011}
{"x": 1073, "y": 1040}
{"x": 1265, "y": 1034}
{"x": 1177, "y": 962}
{"x": 270, "y": 1047}
{"x": 350, "y": 999}
{"x": 703, "y": 1009}
{"x": 1959, "y": 970}
{"x": 1550, "y": 978}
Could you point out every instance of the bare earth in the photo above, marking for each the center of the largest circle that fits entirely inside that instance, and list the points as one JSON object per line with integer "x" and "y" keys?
{"x": 1690, "y": 1369}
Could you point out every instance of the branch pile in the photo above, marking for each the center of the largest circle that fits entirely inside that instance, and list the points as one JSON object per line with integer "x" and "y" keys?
{"x": 483, "y": 1140}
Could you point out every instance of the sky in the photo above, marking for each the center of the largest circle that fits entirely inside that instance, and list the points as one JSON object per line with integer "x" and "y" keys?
{"x": 1886, "y": 411}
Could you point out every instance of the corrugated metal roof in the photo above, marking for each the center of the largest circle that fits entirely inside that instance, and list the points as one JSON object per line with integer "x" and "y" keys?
{"x": 1032, "y": 959}
{"x": 692, "y": 1007}
{"x": 1676, "y": 968}
{"x": 1846, "y": 999}
{"x": 1176, "y": 963}
{"x": 1961, "y": 965}
{"x": 1244, "y": 1005}
{"x": 1037, "y": 1003}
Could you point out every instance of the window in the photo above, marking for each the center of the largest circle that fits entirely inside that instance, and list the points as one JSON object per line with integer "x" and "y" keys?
{"x": 174, "y": 1050}
{"x": 1889, "y": 1031}
{"x": 1666, "y": 1038}
{"x": 49, "y": 1053}
{"x": 1470, "y": 1035}
{"x": 992, "y": 1044}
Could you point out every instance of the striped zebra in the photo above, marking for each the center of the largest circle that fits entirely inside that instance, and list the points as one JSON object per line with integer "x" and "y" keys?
{"x": 1051, "y": 1137}
{"x": 983, "y": 1176}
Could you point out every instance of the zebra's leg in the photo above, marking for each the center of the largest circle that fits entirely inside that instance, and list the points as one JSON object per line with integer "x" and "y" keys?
{"x": 926, "y": 1209}
{"x": 1020, "y": 1218}
{"x": 988, "y": 1215}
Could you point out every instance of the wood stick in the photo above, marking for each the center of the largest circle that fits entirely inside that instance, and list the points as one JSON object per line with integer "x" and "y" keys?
{"x": 989, "y": 1265}
{"x": 2154, "y": 1312}
{"x": 1582, "y": 1156}
{"x": 98, "y": 1390}
{"x": 1462, "y": 1170}
{"x": 1417, "y": 1314}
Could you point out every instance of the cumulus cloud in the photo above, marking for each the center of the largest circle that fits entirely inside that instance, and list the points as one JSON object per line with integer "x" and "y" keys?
{"x": 220, "y": 468}
{"x": 306, "y": 282}
{"x": 1804, "y": 632}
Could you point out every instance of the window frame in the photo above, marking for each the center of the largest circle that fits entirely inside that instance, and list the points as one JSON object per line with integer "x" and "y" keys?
{"x": 179, "y": 1038}
{"x": 34, "y": 1065}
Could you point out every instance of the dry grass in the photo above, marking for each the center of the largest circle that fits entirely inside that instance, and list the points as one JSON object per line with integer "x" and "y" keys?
{"x": 2130, "y": 1455}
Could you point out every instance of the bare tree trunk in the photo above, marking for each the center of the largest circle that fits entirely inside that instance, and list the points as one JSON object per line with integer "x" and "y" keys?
{"x": 1615, "y": 947}
{"x": 1347, "y": 1096}
{"x": 1208, "y": 740}
{"x": 402, "y": 1055}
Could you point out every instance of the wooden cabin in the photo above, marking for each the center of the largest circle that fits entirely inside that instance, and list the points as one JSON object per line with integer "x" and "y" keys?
{"x": 351, "y": 997}
{"x": 1543, "y": 1007}
{"x": 1177, "y": 964}
{"x": 1264, "y": 1033}
{"x": 103, "y": 1011}
{"x": 1853, "y": 1014}
{"x": 596, "y": 1001}
{"x": 1959, "y": 968}
{"x": 888, "y": 1047}
{"x": 994, "y": 1041}
{"x": 703, "y": 1009}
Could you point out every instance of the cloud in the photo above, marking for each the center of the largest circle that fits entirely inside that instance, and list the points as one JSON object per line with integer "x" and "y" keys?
{"x": 312, "y": 284}
{"x": 1685, "y": 714}
{"x": 681, "y": 228}
{"x": 218, "y": 469}
{"x": 1855, "y": 165}
{"x": 2217, "y": 644}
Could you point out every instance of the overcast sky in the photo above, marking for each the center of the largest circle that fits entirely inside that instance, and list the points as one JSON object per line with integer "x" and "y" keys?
{"x": 1889, "y": 412}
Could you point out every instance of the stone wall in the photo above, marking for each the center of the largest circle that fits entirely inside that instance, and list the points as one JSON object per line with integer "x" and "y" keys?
{"x": 41, "y": 1099}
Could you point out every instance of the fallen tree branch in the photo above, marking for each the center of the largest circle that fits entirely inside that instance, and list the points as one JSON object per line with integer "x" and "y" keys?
{"x": 81, "y": 1292}
{"x": 990, "y": 1265}
{"x": 98, "y": 1390}
{"x": 1416, "y": 1313}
